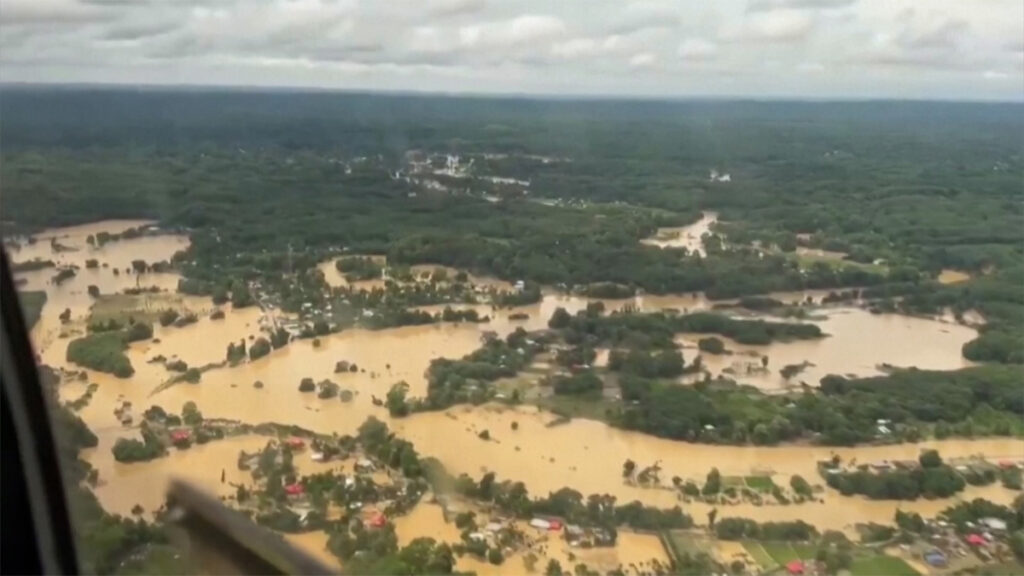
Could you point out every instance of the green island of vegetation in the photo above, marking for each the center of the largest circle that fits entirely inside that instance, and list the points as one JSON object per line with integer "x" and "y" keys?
{"x": 644, "y": 361}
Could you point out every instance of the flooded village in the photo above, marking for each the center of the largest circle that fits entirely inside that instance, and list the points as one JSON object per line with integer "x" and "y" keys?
{"x": 231, "y": 436}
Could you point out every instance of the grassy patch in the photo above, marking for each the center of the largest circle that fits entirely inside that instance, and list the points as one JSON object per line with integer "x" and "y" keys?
{"x": 808, "y": 260}
{"x": 686, "y": 542}
{"x": 781, "y": 552}
{"x": 758, "y": 553}
{"x": 32, "y": 305}
{"x": 121, "y": 307}
{"x": 760, "y": 483}
{"x": 103, "y": 351}
{"x": 881, "y": 565}
{"x": 593, "y": 408}
{"x": 1009, "y": 568}
{"x": 155, "y": 559}
{"x": 804, "y": 550}
{"x": 732, "y": 481}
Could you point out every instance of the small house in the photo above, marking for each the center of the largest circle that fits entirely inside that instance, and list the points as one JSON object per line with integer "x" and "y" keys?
{"x": 573, "y": 533}
{"x": 975, "y": 540}
{"x": 795, "y": 567}
{"x": 378, "y": 521}
{"x": 178, "y": 436}
{"x": 540, "y": 524}
{"x": 603, "y": 537}
{"x": 996, "y": 524}
{"x": 296, "y": 443}
{"x": 295, "y": 489}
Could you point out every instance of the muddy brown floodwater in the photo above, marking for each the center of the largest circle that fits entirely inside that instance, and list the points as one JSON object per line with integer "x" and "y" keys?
{"x": 858, "y": 343}
{"x": 586, "y": 455}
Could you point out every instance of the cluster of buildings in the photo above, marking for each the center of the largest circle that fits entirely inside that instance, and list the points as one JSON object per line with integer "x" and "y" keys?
{"x": 945, "y": 546}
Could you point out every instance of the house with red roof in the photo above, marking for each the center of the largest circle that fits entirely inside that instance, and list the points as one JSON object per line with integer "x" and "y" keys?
{"x": 378, "y": 521}
{"x": 795, "y": 567}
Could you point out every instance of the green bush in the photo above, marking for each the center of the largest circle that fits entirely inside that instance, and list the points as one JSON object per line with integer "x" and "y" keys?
{"x": 133, "y": 450}
{"x": 578, "y": 384}
{"x": 103, "y": 352}
{"x": 800, "y": 486}
{"x": 167, "y": 317}
{"x": 139, "y": 331}
{"x": 711, "y": 345}
{"x": 259, "y": 348}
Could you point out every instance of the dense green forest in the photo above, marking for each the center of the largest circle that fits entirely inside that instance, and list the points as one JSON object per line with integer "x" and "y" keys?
{"x": 915, "y": 187}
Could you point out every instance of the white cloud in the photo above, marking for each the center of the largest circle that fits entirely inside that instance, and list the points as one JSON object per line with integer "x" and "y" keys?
{"x": 512, "y": 33}
{"x": 454, "y": 7}
{"x": 643, "y": 60}
{"x": 47, "y": 12}
{"x": 587, "y": 47}
{"x": 428, "y": 40}
{"x": 995, "y": 75}
{"x": 740, "y": 47}
{"x": 756, "y": 5}
{"x": 785, "y": 25}
{"x": 697, "y": 49}
{"x": 642, "y": 15}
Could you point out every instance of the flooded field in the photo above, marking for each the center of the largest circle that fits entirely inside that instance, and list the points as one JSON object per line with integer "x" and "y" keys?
{"x": 544, "y": 458}
{"x": 122, "y": 486}
{"x": 688, "y": 237}
{"x": 859, "y": 343}
{"x": 315, "y": 543}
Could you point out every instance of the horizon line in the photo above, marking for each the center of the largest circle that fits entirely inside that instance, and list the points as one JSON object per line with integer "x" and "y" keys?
{"x": 591, "y": 97}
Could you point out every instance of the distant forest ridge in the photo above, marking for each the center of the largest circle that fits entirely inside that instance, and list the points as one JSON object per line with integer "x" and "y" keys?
{"x": 76, "y": 116}
{"x": 899, "y": 190}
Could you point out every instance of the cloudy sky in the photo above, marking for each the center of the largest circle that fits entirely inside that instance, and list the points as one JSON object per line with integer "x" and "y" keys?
{"x": 943, "y": 49}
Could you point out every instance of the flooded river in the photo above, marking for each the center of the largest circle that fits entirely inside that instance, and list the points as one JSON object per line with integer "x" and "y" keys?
{"x": 583, "y": 454}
